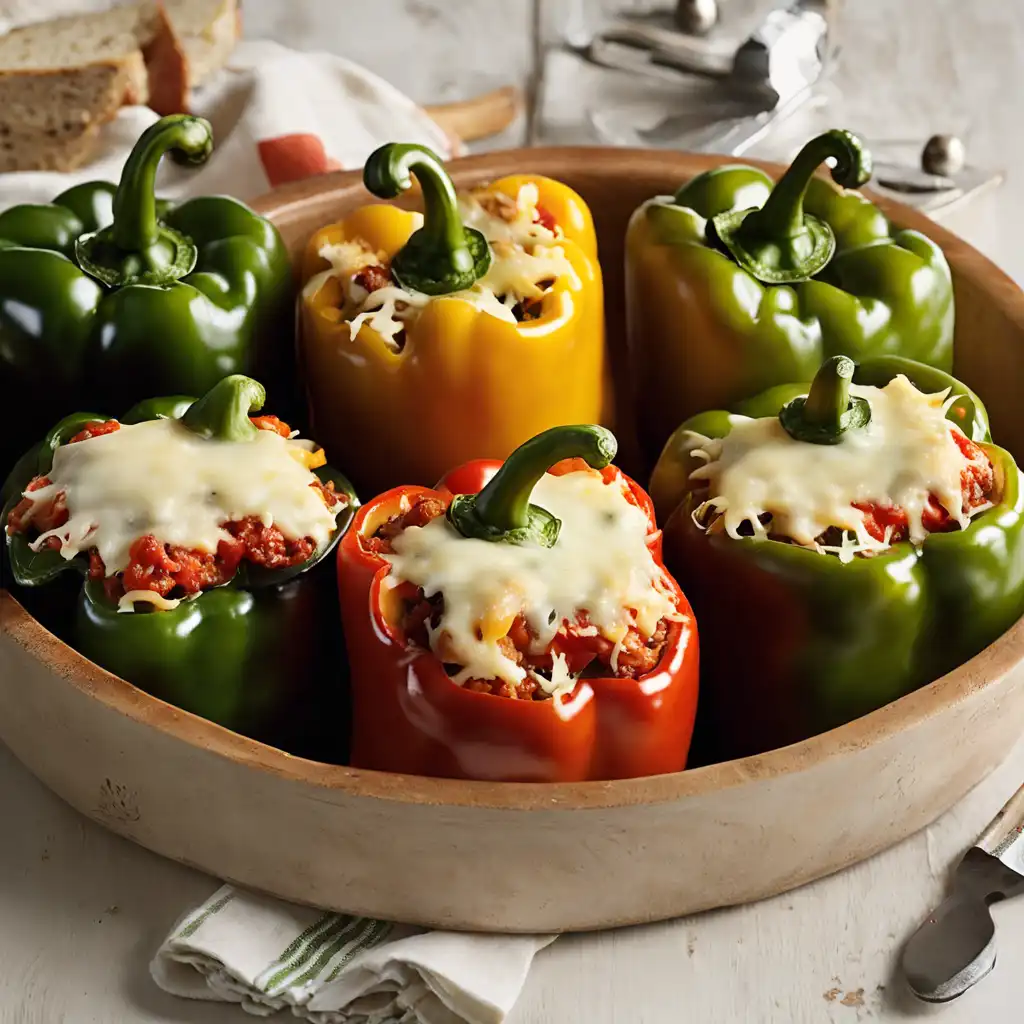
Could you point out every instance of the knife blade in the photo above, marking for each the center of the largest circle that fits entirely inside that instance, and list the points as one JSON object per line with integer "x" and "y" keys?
{"x": 955, "y": 947}
{"x": 773, "y": 74}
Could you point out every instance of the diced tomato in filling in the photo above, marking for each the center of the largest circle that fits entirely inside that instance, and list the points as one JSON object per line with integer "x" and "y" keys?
{"x": 373, "y": 277}
{"x": 150, "y": 566}
{"x": 164, "y": 568}
{"x": 272, "y": 423}
{"x": 584, "y": 650}
{"x": 976, "y": 482}
{"x": 45, "y": 516}
{"x": 95, "y": 430}
{"x": 545, "y": 219}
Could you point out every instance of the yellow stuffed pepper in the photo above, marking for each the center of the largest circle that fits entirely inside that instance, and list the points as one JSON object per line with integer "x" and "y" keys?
{"x": 431, "y": 339}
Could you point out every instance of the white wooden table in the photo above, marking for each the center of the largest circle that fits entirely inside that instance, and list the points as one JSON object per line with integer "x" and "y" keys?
{"x": 81, "y": 911}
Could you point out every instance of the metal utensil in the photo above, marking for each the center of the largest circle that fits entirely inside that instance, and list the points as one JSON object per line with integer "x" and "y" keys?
{"x": 770, "y": 76}
{"x": 783, "y": 55}
{"x": 940, "y": 180}
{"x": 955, "y": 947}
{"x": 696, "y": 17}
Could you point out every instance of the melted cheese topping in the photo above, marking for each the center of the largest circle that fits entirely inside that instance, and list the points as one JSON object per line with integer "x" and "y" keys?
{"x": 161, "y": 603}
{"x": 522, "y": 260}
{"x": 499, "y": 218}
{"x": 904, "y": 455}
{"x": 159, "y": 478}
{"x": 600, "y": 565}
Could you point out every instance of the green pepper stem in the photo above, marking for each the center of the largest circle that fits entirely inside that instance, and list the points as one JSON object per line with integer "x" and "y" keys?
{"x": 444, "y": 255}
{"x": 502, "y": 510}
{"x": 222, "y": 414}
{"x": 828, "y": 412}
{"x": 504, "y": 503}
{"x": 782, "y": 215}
{"x": 388, "y": 173}
{"x": 135, "y": 226}
{"x": 829, "y": 395}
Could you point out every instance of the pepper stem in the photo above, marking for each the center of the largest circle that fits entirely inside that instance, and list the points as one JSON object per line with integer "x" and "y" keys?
{"x": 222, "y": 414}
{"x": 136, "y": 248}
{"x": 444, "y": 255}
{"x": 780, "y": 243}
{"x": 828, "y": 412}
{"x": 502, "y": 510}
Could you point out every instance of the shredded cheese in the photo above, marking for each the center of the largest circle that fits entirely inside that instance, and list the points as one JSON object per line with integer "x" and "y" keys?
{"x": 164, "y": 604}
{"x": 499, "y": 218}
{"x": 562, "y": 681}
{"x": 159, "y": 478}
{"x": 903, "y": 456}
{"x": 600, "y": 565}
{"x": 524, "y": 261}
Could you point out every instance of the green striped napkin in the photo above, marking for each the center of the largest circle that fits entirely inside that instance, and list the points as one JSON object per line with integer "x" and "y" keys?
{"x": 329, "y": 968}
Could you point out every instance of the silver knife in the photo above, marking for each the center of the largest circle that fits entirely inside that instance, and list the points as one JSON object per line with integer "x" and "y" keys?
{"x": 955, "y": 947}
{"x": 771, "y": 76}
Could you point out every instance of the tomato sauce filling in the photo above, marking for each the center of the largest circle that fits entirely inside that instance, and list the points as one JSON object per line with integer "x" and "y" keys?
{"x": 586, "y": 652}
{"x": 977, "y": 481}
{"x": 167, "y": 569}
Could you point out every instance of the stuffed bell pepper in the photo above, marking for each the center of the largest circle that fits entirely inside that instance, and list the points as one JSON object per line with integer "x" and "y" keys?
{"x": 110, "y": 295}
{"x": 429, "y": 339}
{"x": 195, "y": 525}
{"x": 736, "y": 284}
{"x": 842, "y": 544}
{"x": 517, "y": 623}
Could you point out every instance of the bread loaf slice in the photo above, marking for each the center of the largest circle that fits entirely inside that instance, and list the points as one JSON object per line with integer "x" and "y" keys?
{"x": 63, "y": 98}
{"x": 61, "y": 79}
{"x": 74, "y": 44}
{"x": 46, "y": 149}
{"x": 207, "y": 31}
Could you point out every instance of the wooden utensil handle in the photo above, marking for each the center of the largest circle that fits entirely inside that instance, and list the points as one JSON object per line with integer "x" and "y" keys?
{"x": 481, "y": 116}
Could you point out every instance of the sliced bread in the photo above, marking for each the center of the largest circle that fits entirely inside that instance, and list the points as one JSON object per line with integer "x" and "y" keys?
{"x": 114, "y": 36}
{"x": 61, "y": 79}
{"x": 208, "y": 31}
{"x": 47, "y": 149}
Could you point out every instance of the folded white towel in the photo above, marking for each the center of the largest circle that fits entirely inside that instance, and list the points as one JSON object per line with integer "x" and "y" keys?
{"x": 268, "y": 955}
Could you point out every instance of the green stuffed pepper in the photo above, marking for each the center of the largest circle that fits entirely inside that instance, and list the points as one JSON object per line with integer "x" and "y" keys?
{"x": 736, "y": 284}
{"x": 196, "y": 525}
{"x": 842, "y": 544}
{"x": 109, "y": 295}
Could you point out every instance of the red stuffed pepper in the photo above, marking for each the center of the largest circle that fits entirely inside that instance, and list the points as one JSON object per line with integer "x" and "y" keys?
{"x": 493, "y": 638}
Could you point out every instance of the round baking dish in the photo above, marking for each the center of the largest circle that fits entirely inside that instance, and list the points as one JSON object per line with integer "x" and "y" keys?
{"x": 519, "y": 857}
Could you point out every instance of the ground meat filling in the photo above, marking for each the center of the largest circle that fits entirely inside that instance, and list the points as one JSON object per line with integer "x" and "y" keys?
{"x": 166, "y": 569}
{"x": 373, "y": 277}
{"x": 587, "y": 653}
{"x": 889, "y": 522}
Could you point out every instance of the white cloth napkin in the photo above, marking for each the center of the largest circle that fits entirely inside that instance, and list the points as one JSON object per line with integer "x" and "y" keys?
{"x": 278, "y": 115}
{"x": 266, "y": 955}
